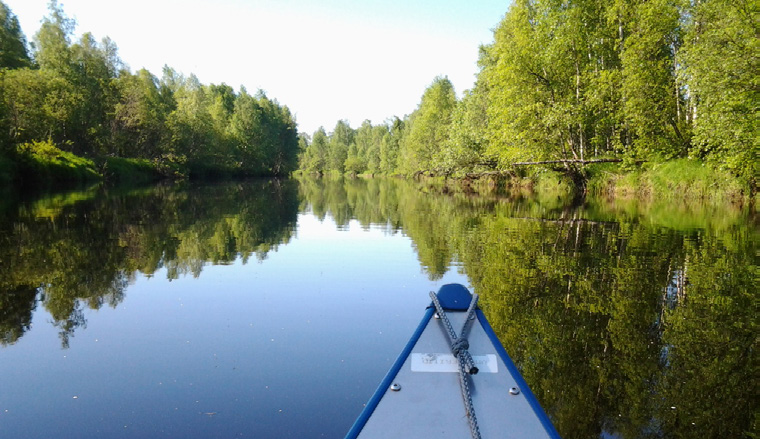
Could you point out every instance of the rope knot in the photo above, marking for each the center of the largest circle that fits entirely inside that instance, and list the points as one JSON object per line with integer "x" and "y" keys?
{"x": 459, "y": 346}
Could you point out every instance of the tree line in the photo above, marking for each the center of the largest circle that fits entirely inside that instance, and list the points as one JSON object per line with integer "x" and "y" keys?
{"x": 575, "y": 81}
{"x": 80, "y": 97}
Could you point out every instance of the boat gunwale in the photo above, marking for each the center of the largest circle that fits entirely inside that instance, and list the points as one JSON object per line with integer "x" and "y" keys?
{"x": 391, "y": 375}
{"x": 521, "y": 383}
{"x": 361, "y": 421}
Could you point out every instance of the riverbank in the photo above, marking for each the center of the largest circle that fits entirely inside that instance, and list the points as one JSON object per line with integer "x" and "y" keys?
{"x": 42, "y": 165}
{"x": 675, "y": 179}
{"x": 681, "y": 179}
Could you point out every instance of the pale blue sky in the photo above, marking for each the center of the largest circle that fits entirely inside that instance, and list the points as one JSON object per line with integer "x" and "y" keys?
{"x": 326, "y": 60}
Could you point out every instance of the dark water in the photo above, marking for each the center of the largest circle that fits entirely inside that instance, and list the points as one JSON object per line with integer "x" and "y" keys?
{"x": 272, "y": 309}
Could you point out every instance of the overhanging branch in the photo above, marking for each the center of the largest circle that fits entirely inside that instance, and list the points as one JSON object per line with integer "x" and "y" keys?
{"x": 578, "y": 161}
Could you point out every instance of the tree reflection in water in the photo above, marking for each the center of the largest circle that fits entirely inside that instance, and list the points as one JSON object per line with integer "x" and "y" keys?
{"x": 83, "y": 249}
{"x": 632, "y": 320}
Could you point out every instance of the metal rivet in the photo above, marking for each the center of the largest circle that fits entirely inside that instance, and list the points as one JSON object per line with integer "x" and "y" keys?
{"x": 472, "y": 317}
{"x": 436, "y": 316}
{"x": 514, "y": 391}
{"x": 395, "y": 387}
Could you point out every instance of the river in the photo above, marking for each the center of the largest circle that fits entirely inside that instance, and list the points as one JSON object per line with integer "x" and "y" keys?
{"x": 273, "y": 308}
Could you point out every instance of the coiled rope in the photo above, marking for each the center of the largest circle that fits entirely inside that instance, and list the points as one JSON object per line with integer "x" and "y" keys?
{"x": 459, "y": 347}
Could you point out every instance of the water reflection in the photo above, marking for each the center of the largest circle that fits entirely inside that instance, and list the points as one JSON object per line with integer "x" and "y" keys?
{"x": 628, "y": 320}
{"x": 631, "y": 320}
{"x": 82, "y": 249}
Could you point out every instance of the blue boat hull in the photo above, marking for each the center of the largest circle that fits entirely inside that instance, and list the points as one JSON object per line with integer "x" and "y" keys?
{"x": 421, "y": 397}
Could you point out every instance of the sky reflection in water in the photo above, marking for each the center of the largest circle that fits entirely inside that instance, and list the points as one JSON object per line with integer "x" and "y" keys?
{"x": 290, "y": 346}
{"x": 272, "y": 309}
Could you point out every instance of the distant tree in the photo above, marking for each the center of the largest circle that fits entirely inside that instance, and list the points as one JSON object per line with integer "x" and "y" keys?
{"x": 190, "y": 123}
{"x": 356, "y": 160}
{"x": 354, "y": 163}
{"x": 428, "y": 126}
{"x": 279, "y": 139}
{"x": 140, "y": 116}
{"x": 52, "y": 48}
{"x": 95, "y": 67}
{"x": 304, "y": 140}
{"x": 651, "y": 97}
{"x": 373, "y": 152}
{"x": 340, "y": 140}
{"x": 264, "y": 134}
{"x": 318, "y": 152}
{"x": 39, "y": 105}
{"x": 284, "y": 161}
{"x": 721, "y": 68}
{"x": 221, "y": 107}
{"x": 246, "y": 131}
{"x": 13, "y": 52}
{"x": 467, "y": 140}
{"x": 389, "y": 148}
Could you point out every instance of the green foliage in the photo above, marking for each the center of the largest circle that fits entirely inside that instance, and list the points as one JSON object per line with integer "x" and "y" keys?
{"x": 466, "y": 146}
{"x": 370, "y": 149}
{"x": 680, "y": 178}
{"x": 428, "y": 127}
{"x": 721, "y": 65}
{"x": 650, "y": 94}
{"x": 39, "y": 105}
{"x": 356, "y": 159}
{"x": 84, "y": 100}
{"x": 140, "y": 116}
{"x": 13, "y": 53}
{"x": 81, "y": 249}
{"x": 130, "y": 171}
{"x": 7, "y": 170}
{"x": 43, "y": 162}
{"x": 390, "y": 146}
{"x": 316, "y": 154}
{"x": 655, "y": 80}
{"x": 569, "y": 82}
{"x": 340, "y": 140}
{"x": 53, "y": 41}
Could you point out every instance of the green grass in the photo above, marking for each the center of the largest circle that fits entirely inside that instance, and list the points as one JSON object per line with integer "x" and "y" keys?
{"x": 551, "y": 182}
{"x": 44, "y": 163}
{"x": 674, "y": 179}
{"x": 129, "y": 171}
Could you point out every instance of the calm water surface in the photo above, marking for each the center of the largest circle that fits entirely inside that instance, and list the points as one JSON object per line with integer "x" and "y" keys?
{"x": 272, "y": 309}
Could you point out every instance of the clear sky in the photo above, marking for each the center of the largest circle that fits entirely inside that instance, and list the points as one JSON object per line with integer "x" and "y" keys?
{"x": 325, "y": 60}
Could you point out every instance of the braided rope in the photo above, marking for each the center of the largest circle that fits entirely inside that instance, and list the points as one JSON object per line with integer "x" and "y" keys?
{"x": 459, "y": 346}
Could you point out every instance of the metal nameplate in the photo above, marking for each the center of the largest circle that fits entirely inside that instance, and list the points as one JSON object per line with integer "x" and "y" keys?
{"x": 448, "y": 363}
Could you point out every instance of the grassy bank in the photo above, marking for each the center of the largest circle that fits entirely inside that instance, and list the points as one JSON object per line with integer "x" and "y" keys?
{"x": 129, "y": 171}
{"x": 675, "y": 179}
{"x": 44, "y": 165}
{"x": 682, "y": 179}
